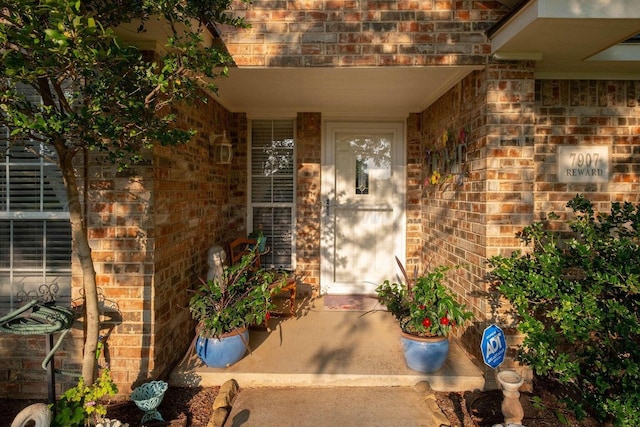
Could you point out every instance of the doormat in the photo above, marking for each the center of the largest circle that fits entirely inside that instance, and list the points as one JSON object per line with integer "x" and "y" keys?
{"x": 351, "y": 303}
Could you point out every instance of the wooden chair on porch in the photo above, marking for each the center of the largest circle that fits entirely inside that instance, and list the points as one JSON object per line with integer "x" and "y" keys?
{"x": 243, "y": 246}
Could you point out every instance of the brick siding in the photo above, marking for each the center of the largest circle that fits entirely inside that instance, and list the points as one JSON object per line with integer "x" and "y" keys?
{"x": 150, "y": 227}
{"x": 516, "y": 125}
{"x": 588, "y": 112}
{"x": 150, "y": 230}
{"x": 308, "y": 199}
{"x": 357, "y": 33}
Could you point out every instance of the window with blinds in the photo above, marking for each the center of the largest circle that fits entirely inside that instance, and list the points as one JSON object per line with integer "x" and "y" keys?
{"x": 272, "y": 188}
{"x": 35, "y": 232}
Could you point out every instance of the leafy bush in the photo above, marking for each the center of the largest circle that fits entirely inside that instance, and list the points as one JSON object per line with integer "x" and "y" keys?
{"x": 424, "y": 306}
{"x": 239, "y": 298}
{"x": 81, "y": 405}
{"x": 576, "y": 299}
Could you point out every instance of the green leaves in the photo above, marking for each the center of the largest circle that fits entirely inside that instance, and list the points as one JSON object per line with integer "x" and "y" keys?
{"x": 89, "y": 90}
{"x": 426, "y": 307}
{"x": 81, "y": 405}
{"x": 240, "y": 298}
{"x": 576, "y": 299}
{"x": 99, "y": 92}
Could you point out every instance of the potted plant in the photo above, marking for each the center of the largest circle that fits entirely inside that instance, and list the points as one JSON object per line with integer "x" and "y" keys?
{"x": 224, "y": 307}
{"x": 427, "y": 311}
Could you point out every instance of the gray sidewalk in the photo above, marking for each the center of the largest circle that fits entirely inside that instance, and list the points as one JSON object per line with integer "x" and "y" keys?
{"x": 332, "y": 407}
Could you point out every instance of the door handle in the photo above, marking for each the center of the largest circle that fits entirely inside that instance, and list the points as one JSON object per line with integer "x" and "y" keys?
{"x": 327, "y": 206}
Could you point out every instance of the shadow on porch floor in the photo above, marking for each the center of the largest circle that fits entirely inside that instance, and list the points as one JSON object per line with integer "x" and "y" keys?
{"x": 322, "y": 348}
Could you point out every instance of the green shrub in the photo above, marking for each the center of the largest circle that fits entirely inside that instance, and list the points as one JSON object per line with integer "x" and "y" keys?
{"x": 575, "y": 296}
{"x": 239, "y": 298}
{"x": 424, "y": 306}
{"x": 81, "y": 405}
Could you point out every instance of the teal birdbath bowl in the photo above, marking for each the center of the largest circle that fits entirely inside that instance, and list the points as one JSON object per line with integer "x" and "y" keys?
{"x": 147, "y": 398}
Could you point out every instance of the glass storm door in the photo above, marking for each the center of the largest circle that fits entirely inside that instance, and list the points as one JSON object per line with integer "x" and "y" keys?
{"x": 363, "y": 189}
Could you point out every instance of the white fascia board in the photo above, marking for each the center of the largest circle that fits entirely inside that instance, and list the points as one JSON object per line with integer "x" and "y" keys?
{"x": 576, "y": 75}
{"x": 521, "y": 20}
{"x": 619, "y": 52}
{"x": 565, "y": 9}
{"x": 519, "y": 56}
{"x": 589, "y": 9}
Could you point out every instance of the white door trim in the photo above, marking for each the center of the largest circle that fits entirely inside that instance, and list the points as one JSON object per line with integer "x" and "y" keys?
{"x": 328, "y": 171}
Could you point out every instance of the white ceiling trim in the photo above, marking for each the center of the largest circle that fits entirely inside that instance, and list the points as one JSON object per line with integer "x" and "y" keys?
{"x": 619, "y": 52}
{"x": 387, "y": 92}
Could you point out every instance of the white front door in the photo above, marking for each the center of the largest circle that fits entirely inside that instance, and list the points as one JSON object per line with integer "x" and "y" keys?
{"x": 363, "y": 190}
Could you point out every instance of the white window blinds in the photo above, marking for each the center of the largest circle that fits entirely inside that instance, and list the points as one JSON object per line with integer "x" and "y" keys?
{"x": 272, "y": 193}
{"x": 35, "y": 233}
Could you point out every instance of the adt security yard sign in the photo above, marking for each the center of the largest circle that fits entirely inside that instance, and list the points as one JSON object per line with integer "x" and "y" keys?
{"x": 493, "y": 346}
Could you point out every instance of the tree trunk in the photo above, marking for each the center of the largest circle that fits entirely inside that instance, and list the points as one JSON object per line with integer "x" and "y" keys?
{"x": 83, "y": 251}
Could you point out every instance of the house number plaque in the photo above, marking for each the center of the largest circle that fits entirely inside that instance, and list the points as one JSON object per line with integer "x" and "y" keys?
{"x": 583, "y": 163}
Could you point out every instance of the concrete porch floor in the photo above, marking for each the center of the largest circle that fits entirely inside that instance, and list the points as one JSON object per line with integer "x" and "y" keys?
{"x": 323, "y": 348}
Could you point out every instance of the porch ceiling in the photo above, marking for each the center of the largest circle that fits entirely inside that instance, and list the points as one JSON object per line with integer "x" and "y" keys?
{"x": 373, "y": 92}
{"x": 579, "y": 39}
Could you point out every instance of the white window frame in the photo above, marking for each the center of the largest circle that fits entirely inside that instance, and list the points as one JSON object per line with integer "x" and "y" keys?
{"x": 292, "y": 205}
{"x": 13, "y": 272}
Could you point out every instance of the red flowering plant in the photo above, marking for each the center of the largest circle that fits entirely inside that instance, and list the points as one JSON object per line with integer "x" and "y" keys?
{"x": 424, "y": 306}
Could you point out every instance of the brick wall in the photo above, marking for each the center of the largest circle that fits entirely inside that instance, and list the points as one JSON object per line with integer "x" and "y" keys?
{"x": 454, "y": 210}
{"x": 150, "y": 229}
{"x": 21, "y": 373}
{"x": 478, "y": 202}
{"x": 346, "y": 33}
{"x": 192, "y": 211}
{"x": 516, "y": 125}
{"x": 509, "y": 180}
{"x": 415, "y": 174}
{"x": 587, "y": 112}
{"x": 120, "y": 225}
{"x": 509, "y": 152}
{"x": 308, "y": 198}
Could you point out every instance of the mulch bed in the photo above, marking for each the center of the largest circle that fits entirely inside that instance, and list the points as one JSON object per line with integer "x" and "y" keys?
{"x": 188, "y": 407}
{"x": 180, "y": 407}
{"x": 542, "y": 408}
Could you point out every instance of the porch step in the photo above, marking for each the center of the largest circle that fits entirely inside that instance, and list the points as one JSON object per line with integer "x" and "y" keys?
{"x": 440, "y": 381}
{"x": 330, "y": 349}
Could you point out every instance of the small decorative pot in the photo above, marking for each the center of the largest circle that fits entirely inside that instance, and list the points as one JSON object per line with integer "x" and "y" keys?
{"x": 224, "y": 351}
{"x": 424, "y": 354}
{"x": 148, "y": 397}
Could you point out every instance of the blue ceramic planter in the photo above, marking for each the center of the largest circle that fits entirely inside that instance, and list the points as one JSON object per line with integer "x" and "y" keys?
{"x": 424, "y": 354}
{"x": 224, "y": 351}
